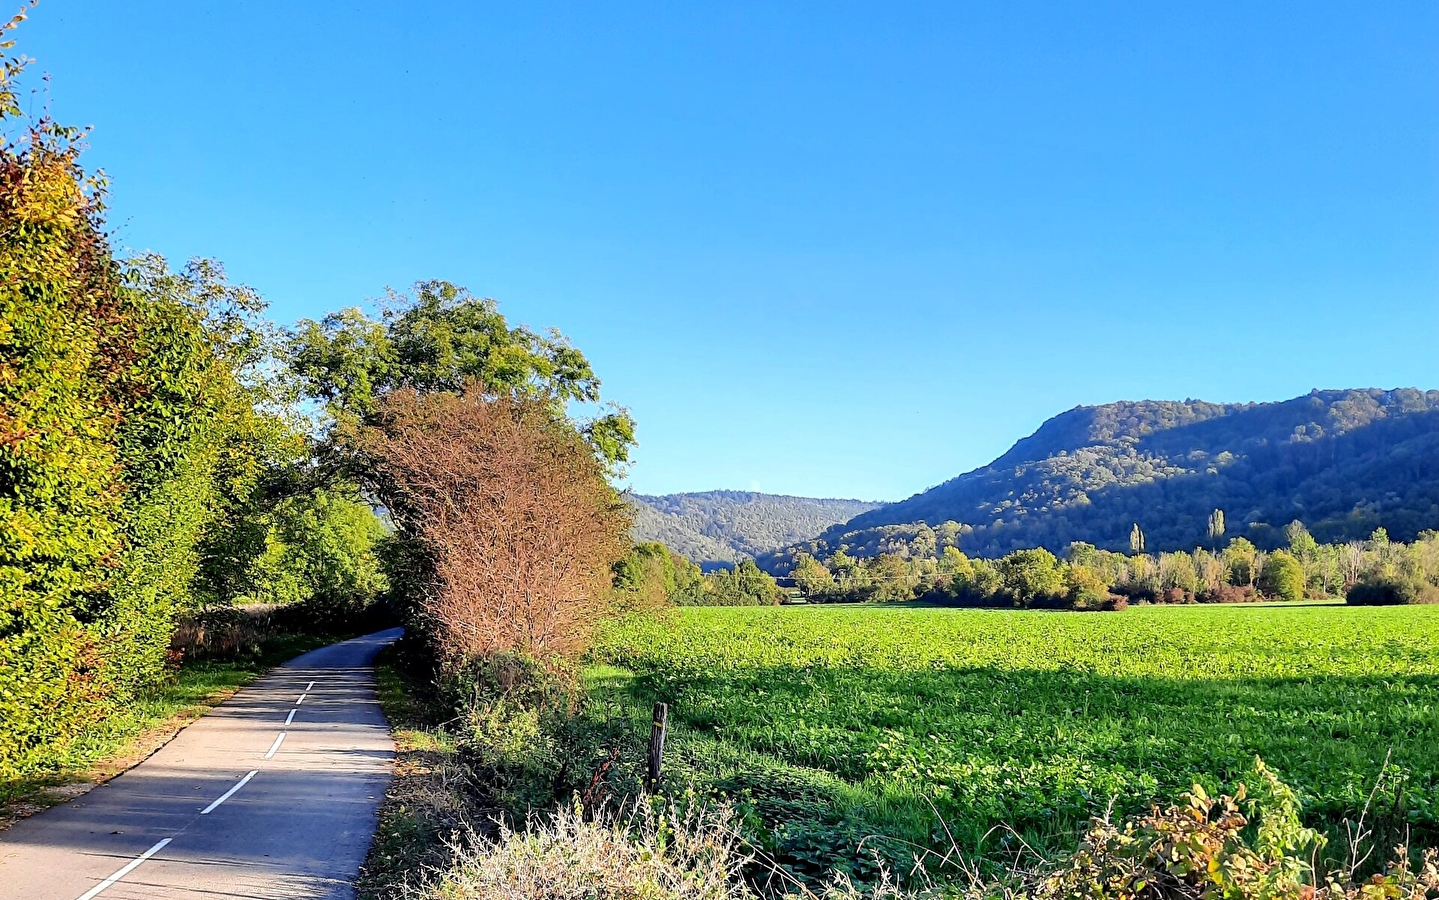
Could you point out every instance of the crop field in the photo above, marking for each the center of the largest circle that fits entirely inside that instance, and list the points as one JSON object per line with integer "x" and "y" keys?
{"x": 906, "y": 728}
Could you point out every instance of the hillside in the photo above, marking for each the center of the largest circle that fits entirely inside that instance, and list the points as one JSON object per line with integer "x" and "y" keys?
{"x": 1343, "y": 462}
{"x": 728, "y": 526}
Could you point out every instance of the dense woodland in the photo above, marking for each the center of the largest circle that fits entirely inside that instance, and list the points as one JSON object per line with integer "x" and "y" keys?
{"x": 729, "y": 526}
{"x": 1344, "y": 462}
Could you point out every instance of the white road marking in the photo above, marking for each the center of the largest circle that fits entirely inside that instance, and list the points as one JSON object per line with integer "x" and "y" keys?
{"x": 276, "y": 746}
{"x": 291, "y": 717}
{"x": 310, "y": 687}
{"x": 302, "y": 698}
{"x": 226, "y": 796}
{"x": 129, "y": 867}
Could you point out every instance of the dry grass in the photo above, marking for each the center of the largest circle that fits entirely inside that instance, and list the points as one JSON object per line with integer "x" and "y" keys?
{"x": 430, "y": 802}
{"x": 681, "y": 850}
{"x": 656, "y": 853}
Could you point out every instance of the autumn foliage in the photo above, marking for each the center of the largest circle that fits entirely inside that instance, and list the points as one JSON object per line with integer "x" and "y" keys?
{"x": 512, "y": 511}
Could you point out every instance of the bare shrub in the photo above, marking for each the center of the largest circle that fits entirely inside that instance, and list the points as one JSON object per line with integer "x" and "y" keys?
{"x": 1229, "y": 593}
{"x": 513, "y": 510}
{"x": 228, "y": 632}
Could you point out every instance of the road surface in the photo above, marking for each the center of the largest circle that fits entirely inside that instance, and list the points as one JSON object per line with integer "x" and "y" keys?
{"x": 273, "y": 794}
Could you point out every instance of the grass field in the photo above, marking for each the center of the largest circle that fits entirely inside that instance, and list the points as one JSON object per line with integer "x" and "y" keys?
{"x": 831, "y": 725}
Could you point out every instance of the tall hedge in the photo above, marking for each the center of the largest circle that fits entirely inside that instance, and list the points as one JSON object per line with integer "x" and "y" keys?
{"x": 62, "y": 352}
{"x": 112, "y": 406}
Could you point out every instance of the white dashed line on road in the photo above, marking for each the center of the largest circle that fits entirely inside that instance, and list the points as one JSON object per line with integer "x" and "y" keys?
{"x": 291, "y": 717}
{"x": 129, "y": 867}
{"x": 226, "y": 796}
{"x": 276, "y": 746}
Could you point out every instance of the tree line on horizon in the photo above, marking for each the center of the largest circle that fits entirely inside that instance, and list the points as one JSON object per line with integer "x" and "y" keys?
{"x": 1375, "y": 571}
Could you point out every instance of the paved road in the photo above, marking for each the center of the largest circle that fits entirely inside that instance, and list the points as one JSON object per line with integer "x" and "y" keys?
{"x": 273, "y": 794}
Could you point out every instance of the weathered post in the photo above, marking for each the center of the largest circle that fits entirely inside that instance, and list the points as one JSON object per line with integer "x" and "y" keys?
{"x": 657, "y": 744}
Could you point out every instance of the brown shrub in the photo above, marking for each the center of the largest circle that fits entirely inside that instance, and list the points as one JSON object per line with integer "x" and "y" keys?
{"x": 1174, "y": 595}
{"x": 226, "y": 632}
{"x": 1229, "y": 593}
{"x": 514, "y": 511}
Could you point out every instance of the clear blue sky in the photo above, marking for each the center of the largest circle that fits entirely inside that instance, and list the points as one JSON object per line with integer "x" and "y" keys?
{"x": 825, "y": 249}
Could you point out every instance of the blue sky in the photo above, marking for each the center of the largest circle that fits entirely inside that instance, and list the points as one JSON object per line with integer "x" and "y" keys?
{"x": 825, "y": 249}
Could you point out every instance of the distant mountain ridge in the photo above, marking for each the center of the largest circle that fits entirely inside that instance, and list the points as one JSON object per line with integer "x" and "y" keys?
{"x": 713, "y": 527}
{"x": 1342, "y": 461}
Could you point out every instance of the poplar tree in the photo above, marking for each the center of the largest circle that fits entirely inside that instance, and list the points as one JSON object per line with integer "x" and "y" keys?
{"x": 1216, "y": 526}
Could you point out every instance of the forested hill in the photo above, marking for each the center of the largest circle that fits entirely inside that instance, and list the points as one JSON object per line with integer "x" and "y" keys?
{"x": 728, "y": 526}
{"x": 1343, "y": 462}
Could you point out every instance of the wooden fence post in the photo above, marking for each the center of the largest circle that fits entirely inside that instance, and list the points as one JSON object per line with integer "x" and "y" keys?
{"x": 657, "y": 744}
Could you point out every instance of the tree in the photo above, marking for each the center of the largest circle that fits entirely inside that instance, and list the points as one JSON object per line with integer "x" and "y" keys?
{"x": 444, "y": 340}
{"x": 744, "y": 585}
{"x": 1351, "y": 562}
{"x": 119, "y": 403}
{"x": 924, "y": 544}
{"x": 1240, "y": 557}
{"x": 853, "y": 579}
{"x": 1213, "y": 575}
{"x": 256, "y": 437}
{"x": 646, "y": 577}
{"x": 140, "y": 425}
{"x": 325, "y": 543}
{"x": 953, "y": 562}
{"x": 519, "y": 526}
{"x": 1176, "y": 570}
{"x": 1029, "y": 575}
{"x": 1301, "y": 543}
{"x": 63, "y": 380}
{"x": 812, "y": 577}
{"x": 1084, "y": 587}
{"x": 892, "y": 578}
{"x": 1216, "y": 527}
{"x": 652, "y": 574}
{"x": 949, "y": 533}
{"x": 986, "y": 583}
{"x": 1283, "y": 577}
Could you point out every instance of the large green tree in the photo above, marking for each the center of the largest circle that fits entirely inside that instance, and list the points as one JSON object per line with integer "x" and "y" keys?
{"x": 1283, "y": 576}
{"x": 439, "y": 339}
{"x": 1030, "y": 575}
{"x": 811, "y": 576}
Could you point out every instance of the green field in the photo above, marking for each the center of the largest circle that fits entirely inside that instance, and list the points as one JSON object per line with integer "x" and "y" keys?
{"x": 832, "y": 724}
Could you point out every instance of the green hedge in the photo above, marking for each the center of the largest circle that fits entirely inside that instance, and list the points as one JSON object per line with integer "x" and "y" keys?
{"x": 112, "y": 402}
